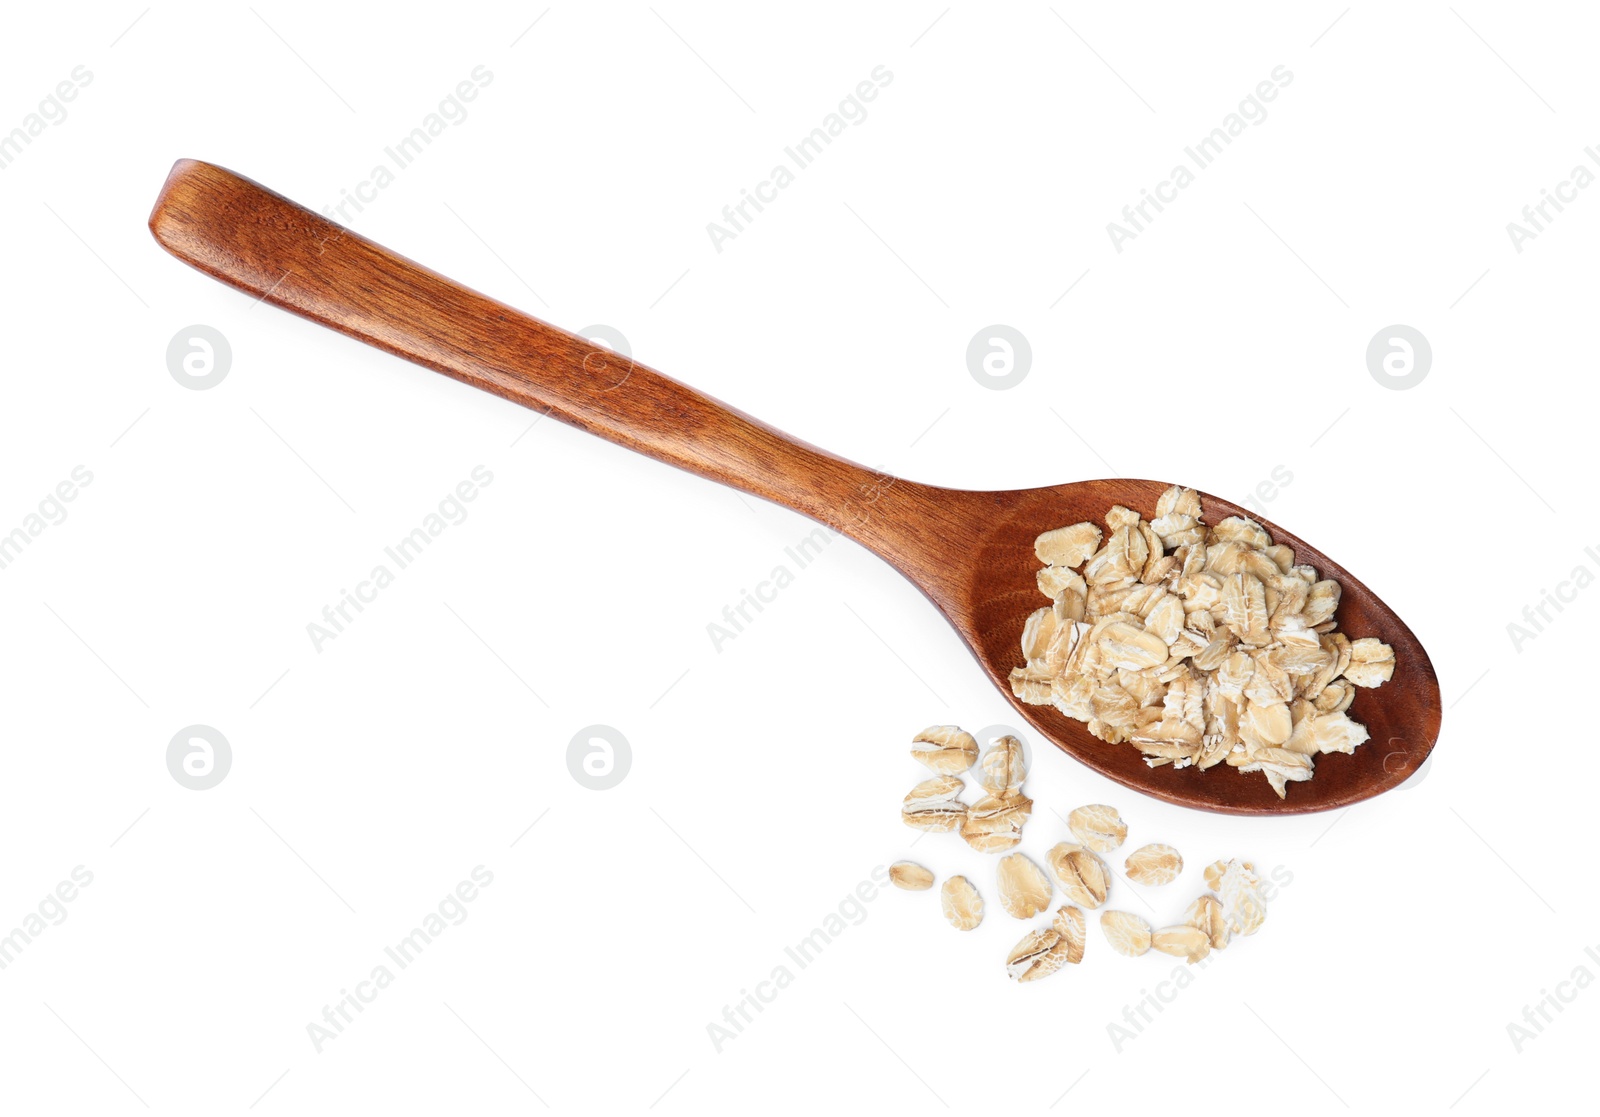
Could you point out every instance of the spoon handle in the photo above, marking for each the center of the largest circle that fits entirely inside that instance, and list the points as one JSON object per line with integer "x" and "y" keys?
{"x": 240, "y": 232}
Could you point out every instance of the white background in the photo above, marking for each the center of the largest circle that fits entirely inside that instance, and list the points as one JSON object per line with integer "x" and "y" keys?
{"x": 370, "y": 777}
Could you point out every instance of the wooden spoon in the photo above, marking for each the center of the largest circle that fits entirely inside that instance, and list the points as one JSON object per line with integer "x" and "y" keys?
{"x": 971, "y": 553}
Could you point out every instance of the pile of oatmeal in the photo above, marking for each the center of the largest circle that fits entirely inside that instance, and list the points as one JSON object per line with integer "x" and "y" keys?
{"x": 1198, "y": 645}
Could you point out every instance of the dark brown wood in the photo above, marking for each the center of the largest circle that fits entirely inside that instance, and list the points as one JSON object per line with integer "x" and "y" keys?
{"x": 971, "y": 553}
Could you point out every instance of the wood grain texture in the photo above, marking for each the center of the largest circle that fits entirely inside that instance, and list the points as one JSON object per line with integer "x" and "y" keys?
{"x": 971, "y": 553}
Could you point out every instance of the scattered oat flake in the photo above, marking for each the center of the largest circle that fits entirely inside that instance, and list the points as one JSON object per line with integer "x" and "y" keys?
{"x": 1243, "y": 898}
{"x": 1041, "y": 953}
{"x": 962, "y": 905}
{"x": 1205, "y": 914}
{"x": 1097, "y": 827}
{"x": 1001, "y": 769}
{"x": 1183, "y": 941}
{"x": 1125, "y": 932}
{"x": 1157, "y": 863}
{"x": 945, "y": 749}
{"x": 1024, "y": 889}
{"x": 1069, "y": 924}
{"x": 910, "y": 876}
{"x": 994, "y": 823}
{"x": 1083, "y": 877}
{"x": 935, "y": 804}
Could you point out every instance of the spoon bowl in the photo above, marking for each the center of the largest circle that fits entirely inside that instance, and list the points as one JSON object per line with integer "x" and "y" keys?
{"x": 1402, "y": 716}
{"x": 971, "y": 553}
